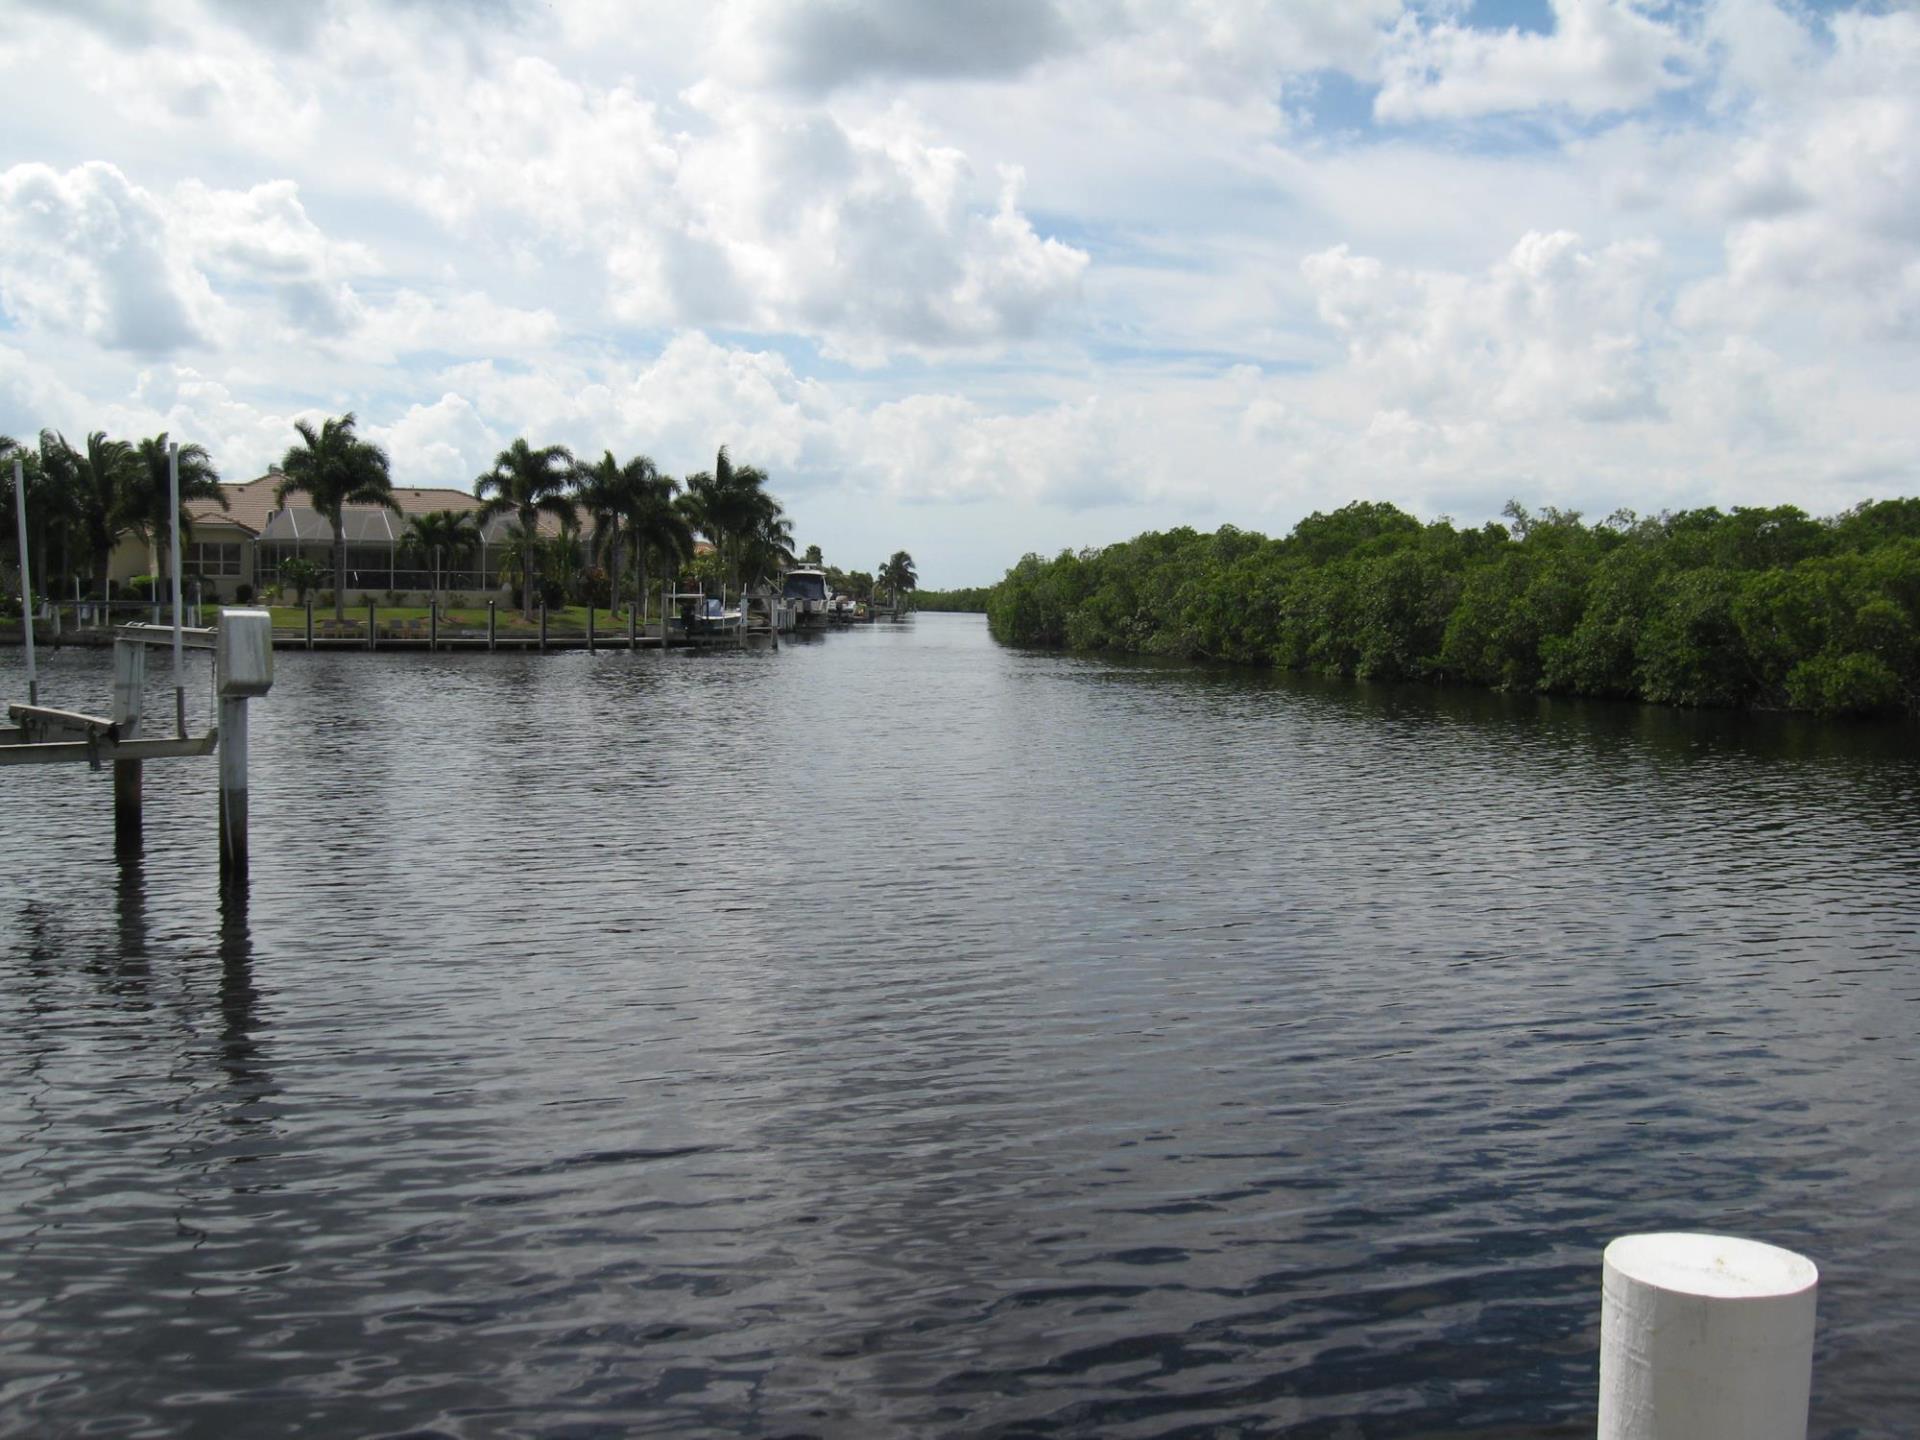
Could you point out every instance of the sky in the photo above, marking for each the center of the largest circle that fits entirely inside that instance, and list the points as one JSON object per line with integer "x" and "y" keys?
{"x": 977, "y": 280}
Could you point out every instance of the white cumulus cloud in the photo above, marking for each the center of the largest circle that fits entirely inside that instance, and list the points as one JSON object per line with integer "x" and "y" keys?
{"x": 1552, "y": 329}
{"x": 1601, "y": 55}
{"x": 89, "y": 252}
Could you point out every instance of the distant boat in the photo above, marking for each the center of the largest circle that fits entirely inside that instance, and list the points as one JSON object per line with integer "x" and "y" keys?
{"x": 697, "y": 616}
{"x": 805, "y": 591}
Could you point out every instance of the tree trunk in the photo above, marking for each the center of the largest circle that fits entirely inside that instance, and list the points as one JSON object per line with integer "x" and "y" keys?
{"x": 613, "y": 574}
{"x": 339, "y": 568}
{"x": 528, "y": 520}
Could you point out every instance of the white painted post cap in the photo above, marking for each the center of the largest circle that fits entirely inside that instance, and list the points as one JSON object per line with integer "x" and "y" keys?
{"x": 243, "y": 653}
{"x": 1706, "y": 1337}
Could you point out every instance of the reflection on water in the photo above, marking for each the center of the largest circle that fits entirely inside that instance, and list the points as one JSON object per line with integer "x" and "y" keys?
{"x": 901, "y": 1036}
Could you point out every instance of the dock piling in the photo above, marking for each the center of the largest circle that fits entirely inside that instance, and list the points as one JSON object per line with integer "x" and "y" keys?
{"x": 309, "y": 622}
{"x": 233, "y": 786}
{"x": 589, "y": 629}
{"x": 1705, "y": 1336}
{"x": 129, "y": 688}
{"x": 490, "y": 624}
{"x": 371, "y": 616}
{"x": 179, "y": 656}
{"x": 243, "y": 665}
{"x": 543, "y": 627}
{"x": 633, "y": 626}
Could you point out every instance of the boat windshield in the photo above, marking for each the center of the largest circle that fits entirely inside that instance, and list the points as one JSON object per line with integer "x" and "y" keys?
{"x": 806, "y": 587}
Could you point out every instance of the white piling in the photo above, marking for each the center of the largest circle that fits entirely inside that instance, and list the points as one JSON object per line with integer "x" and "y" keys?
{"x": 26, "y": 580}
{"x": 1705, "y": 1337}
{"x": 179, "y": 664}
{"x": 243, "y": 662}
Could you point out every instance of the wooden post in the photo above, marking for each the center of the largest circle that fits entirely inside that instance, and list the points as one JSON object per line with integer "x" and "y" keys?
{"x": 233, "y": 786}
{"x": 309, "y": 622}
{"x": 666, "y": 604}
{"x": 433, "y": 624}
{"x": 1705, "y": 1336}
{"x": 633, "y": 624}
{"x": 490, "y": 620}
{"x": 370, "y": 622}
{"x": 589, "y": 629}
{"x": 543, "y": 627}
{"x": 129, "y": 688}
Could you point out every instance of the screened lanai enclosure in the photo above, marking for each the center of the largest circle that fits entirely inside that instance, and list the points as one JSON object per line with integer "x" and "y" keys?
{"x": 377, "y": 558}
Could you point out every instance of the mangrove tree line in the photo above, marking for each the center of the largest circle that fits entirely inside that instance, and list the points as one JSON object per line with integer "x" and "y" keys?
{"x": 1754, "y": 607}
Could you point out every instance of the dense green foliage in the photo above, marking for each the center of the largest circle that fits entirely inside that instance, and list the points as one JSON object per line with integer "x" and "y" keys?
{"x": 899, "y": 576}
{"x": 331, "y": 469}
{"x": 81, "y": 500}
{"x": 1757, "y": 607}
{"x": 971, "y": 599}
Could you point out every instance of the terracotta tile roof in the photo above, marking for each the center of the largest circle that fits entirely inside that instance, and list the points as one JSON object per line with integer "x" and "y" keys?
{"x": 248, "y": 505}
{"x": 251, "y": 504}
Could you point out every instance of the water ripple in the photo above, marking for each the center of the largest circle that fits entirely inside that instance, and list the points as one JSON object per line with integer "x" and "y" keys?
{"x": 902, "y": 1036}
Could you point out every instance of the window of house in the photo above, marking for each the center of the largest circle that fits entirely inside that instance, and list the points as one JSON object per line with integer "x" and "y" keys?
{"x": 215, "y": 558}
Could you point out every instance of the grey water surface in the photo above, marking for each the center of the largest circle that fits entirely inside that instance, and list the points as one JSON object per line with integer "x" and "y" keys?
{"x": 897, "y": 1035}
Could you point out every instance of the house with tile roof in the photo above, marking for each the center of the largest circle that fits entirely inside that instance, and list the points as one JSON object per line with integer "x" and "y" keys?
{"x": 247, "y": 542}
{"x": 254, "y": 536}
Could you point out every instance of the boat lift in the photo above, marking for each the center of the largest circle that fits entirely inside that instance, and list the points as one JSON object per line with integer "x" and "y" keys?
{"x": 242, "y": 647}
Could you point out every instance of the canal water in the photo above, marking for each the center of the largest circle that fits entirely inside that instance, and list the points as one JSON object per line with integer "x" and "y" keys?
{"x": 902, "y": 1036}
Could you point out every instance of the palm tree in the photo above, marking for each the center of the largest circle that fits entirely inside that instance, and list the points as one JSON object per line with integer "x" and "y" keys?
{"x": 52, "y": 518}
{"x": 767, "y": 545}
{"x": 605, "y": 490}
{"x": 335, "y": 468}
{"x": 441, "y": 535}
{"x": 10, "y": 451}
{"x": 96, "y": 485}
{"x": 560, "y": 562}
{"x": 146, "y": 500}
{"x": 898, "y": 575}
{"x": 656, "y": 524}
{"x": 524, "y": 483}
{"x": 731, "y": 506}
{"x": 515, "y": 549}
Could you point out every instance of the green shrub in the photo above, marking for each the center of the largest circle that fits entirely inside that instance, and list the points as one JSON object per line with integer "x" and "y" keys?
{"x": 1851, "y": 684}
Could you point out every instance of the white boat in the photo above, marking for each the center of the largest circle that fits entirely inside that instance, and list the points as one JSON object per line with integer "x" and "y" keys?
{"x": 807, "y": 598}
{"x": 697, "y": 616}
